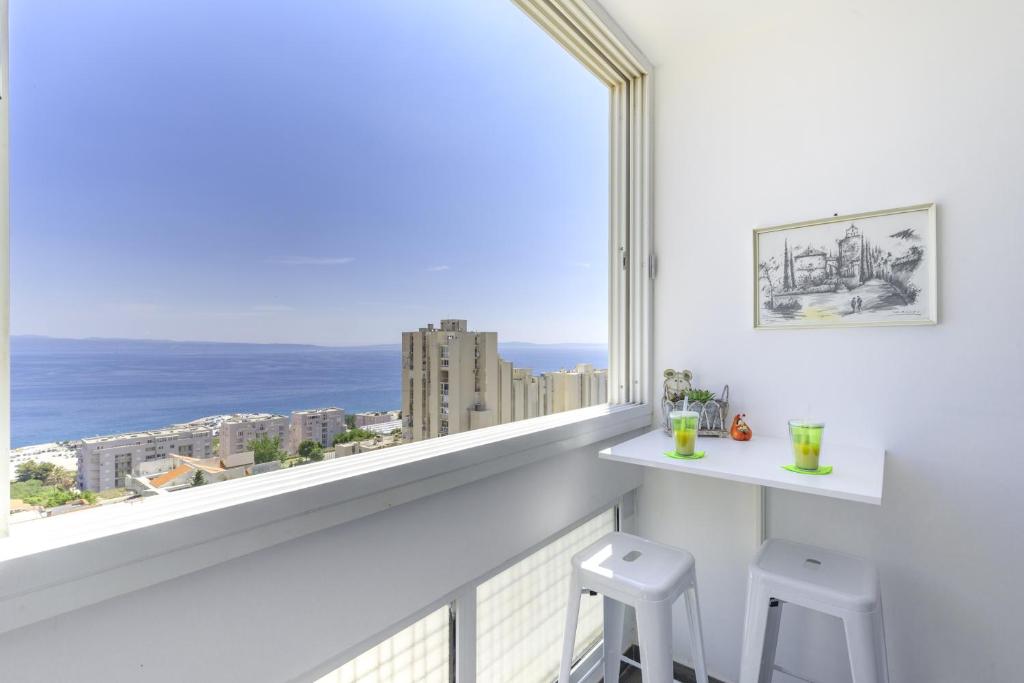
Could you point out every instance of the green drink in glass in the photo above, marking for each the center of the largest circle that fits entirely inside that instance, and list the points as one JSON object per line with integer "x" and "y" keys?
{"x": 684, "y": 430}
{"x": 806, "y": 439}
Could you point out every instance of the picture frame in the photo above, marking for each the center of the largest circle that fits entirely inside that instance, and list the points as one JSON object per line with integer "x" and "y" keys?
{"x": 877, "y": 268}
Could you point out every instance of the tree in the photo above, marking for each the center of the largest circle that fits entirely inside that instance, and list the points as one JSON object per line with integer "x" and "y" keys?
{"x": 198, "y": 479}
{"x": 266, "y": 449}
{"x": 61, "y": 478}
{"x": 31, "y": 469}
{"x": 766, "y": 270}
{"x": 354, "y": 435}
{"x": 311, "y": 450}
{"x": 350, "y": 421}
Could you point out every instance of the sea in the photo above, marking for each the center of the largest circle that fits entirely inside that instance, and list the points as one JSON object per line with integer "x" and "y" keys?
{"x": 65, "y": 389}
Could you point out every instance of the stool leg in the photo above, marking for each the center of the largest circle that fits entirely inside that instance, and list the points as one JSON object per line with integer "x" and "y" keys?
{"x": 754, "y": 626}
{"x": 654, "y": 631}
{"x": 865, "y": 640}
{"x": 696, "y": 635}
{"x": 614, "y": 619}
{"x": 572, "y": 614}
{"x": 771, "y": 640}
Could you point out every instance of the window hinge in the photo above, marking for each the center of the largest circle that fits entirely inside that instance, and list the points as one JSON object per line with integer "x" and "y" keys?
{"x": 652, "y": 265}
{"x": 625, "y": 258}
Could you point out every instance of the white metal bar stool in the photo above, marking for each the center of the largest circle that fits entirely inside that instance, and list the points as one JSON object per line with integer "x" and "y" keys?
{"x": 826, "y": 581}
{"x": 629, "y": 570}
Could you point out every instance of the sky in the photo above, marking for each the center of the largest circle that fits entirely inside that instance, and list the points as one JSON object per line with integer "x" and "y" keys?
{"x": 316, "y": 171}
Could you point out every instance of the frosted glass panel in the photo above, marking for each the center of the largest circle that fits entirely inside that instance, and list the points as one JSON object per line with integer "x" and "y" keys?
{"x": 417, "y": 654}
{"x": 521, "y": 612}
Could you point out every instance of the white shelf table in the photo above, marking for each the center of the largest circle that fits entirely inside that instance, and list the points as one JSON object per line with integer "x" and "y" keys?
{"x": 856, "y": 475}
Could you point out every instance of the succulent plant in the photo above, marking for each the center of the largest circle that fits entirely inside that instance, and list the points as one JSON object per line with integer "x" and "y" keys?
{"x": 700, "y": 395}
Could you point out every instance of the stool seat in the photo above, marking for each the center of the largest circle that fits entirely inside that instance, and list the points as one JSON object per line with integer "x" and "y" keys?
{"x": 824, "y": 576}
{"x": 648, "y": 576}
{"x": 631, "y": 568}
{"x": 827, "y": 581}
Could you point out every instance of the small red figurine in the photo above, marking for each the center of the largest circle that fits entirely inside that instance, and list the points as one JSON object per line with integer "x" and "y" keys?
{"x": 740, "y": 431}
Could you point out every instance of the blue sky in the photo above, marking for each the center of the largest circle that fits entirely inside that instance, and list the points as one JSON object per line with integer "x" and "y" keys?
{"x": 317, "y": 171}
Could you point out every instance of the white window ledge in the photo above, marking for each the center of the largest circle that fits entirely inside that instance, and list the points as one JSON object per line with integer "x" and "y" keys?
{"x": 52, "y": 566}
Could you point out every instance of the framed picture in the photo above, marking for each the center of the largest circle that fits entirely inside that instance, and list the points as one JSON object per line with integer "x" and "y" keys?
{"x": 876, "y": 268}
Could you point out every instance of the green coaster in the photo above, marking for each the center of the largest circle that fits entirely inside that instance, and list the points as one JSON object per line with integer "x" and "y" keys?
{"x": 824, "y": 469}
{"x": 697, "y": 455}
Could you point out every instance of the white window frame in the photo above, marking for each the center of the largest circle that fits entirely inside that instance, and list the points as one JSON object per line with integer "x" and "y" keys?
{"x": 72, "y": 561}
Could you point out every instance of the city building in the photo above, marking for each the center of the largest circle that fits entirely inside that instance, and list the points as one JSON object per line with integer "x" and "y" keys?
{"x": 450, "y": 380}
{"x": 237, "y": 431}
{"x": 320, "y": 425}
{"x": 453, "y": 380}
{"x": 571, "y": 389}
{"x": 154, "y": 477}
{"x": 376, "y": 417}
{"x": 365, "y": 446}
{"x": 383, "y": 428}
{"x": 527, "y": 394}
{"x": 105, "y": 461}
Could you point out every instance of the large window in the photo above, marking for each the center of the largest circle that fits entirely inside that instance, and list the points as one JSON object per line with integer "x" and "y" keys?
{"x": 391, "y": 227}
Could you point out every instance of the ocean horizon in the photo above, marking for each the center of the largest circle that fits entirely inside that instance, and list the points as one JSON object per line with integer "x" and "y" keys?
{"x": 66, "y": 389}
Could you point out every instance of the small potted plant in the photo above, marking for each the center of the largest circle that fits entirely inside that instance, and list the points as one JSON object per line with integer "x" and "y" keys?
{"x": 679, "y": 392}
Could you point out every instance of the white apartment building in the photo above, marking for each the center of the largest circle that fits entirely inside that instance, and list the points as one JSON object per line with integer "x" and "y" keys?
{"x": 450, "y": 380}
{"x": 238, "y": 430}
{"x": 105, "y": 461}
{"x": 320, "y": 425}
{"x": 453, "y": 380}
{"x": 554, "y": 392}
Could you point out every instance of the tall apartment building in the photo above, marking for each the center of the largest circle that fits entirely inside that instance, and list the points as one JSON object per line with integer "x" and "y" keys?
{"x": 104, "y": 461}
{"x": 238, "y": 430}
{"x": 320, "y": 425}
{"x": 453, "y": 380}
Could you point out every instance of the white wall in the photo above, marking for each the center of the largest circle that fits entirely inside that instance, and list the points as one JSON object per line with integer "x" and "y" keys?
{"x": 279, "y": 614}
{"x": 772, "y": 112}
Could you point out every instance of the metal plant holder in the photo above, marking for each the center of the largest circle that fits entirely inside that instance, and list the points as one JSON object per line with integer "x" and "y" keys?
{"x": 712, "y": 413}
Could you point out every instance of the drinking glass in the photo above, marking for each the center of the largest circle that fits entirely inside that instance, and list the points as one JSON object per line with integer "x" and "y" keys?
{"x": 806, "y": 439}
{"x": 684, "y": 429}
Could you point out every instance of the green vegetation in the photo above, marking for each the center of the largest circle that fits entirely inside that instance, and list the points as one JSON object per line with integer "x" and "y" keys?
{"x": 311, "y": 450}
{"x": 350, "y": 422}
{"x": 112, "y": 493}
{"x": 266, "y": 449}
{"x": 47, "y": 473}
{"x": 700, "y": 395}
{"x": 353, "y": 435}
{"x": 199, "y": 478}
{"x": 36, "y": 492}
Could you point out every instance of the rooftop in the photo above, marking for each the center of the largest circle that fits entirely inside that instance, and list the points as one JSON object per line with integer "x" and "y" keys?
{"x": 313, "y": 411}
{"x": 238, "y": 418}
{"x": 173, "y": 430}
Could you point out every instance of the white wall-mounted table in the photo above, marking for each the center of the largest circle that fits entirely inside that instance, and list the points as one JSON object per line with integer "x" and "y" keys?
{"x": 857, "y": 471}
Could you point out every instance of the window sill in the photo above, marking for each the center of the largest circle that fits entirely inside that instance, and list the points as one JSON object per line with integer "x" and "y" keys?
{"x": 48, "y": 567}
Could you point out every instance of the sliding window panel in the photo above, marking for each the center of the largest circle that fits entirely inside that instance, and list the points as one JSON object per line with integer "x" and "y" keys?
{"x": 420, "y": 653}
{"x": 521, "y": 611}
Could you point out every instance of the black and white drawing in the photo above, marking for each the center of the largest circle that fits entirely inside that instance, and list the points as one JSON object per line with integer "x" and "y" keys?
{"x": 865, "y": 269}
